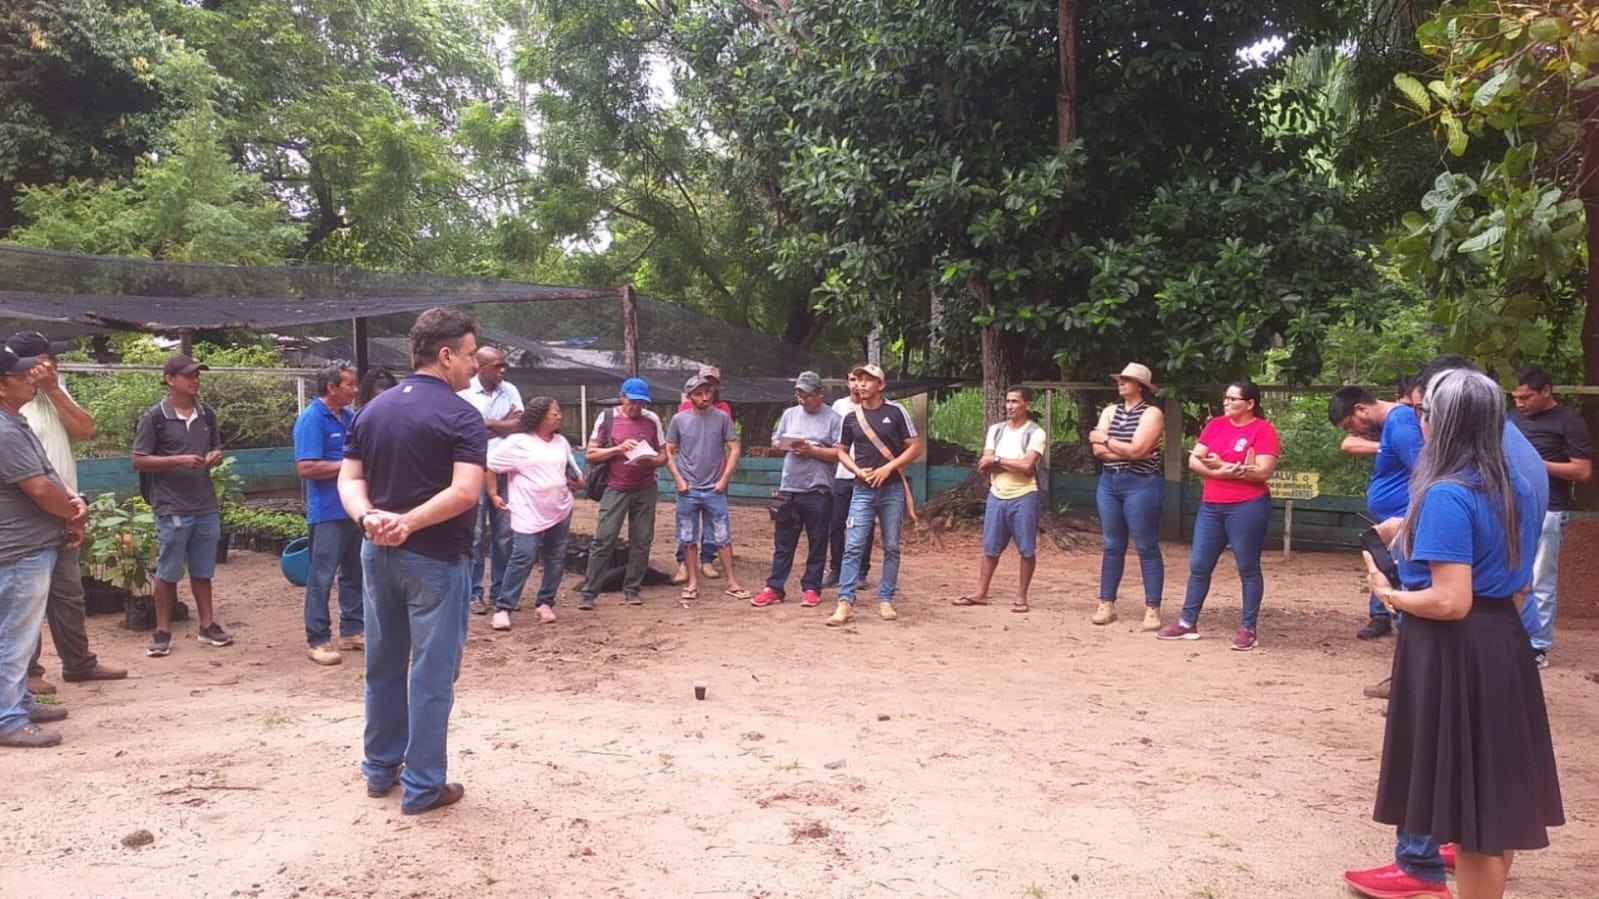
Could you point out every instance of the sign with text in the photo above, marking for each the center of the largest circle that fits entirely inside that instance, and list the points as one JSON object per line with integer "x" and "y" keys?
{"x": 1295, "y": 484}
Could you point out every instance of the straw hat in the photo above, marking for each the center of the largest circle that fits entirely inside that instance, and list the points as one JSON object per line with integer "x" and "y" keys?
{"x": 1139, "y": 373}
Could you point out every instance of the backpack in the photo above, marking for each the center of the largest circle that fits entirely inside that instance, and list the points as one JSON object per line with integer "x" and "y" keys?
{"x": 1041, "y": 470}
{"x": 146, "y": 478}
{"x": 594, "y": 487}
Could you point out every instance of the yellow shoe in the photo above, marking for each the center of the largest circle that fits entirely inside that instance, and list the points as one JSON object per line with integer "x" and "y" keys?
{"x": 1151, "y": 618}
{"x": 356, "y": 643}
{"x": 324, "y": 654}
{"x": 681, "y": 577}
{"x": 885, "y": 611}
{"x": 1105, "y": 614}
{"x": 709, "y": 569}
{"x": 844, "y": 614}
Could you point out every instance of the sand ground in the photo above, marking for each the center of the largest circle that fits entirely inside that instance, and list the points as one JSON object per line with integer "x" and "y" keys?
{"x": 955, "y": 752}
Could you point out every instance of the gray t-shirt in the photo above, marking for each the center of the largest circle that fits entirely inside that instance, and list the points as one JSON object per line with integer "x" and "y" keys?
{"x": 701, "y": 442}
{"x": 161, "y": 432}
{"x": 24, "y": 527}
{"x": 820, "y": 428}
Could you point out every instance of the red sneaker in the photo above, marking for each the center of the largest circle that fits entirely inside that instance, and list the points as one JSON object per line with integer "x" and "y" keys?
{"x": 1388, "y": 882}
{"x": 767, "y": 597}
{"x": 1447, "y": 852}
{"x": 813, "y": 599}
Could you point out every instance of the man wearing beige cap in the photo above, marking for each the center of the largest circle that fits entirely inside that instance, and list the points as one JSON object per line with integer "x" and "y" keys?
{"x": 713, "y": 375}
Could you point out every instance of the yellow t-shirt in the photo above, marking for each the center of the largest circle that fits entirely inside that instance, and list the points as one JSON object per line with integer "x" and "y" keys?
{"x": 1009, "y": 484}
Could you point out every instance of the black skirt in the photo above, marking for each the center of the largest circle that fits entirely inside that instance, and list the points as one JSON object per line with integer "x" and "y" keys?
{"x": 1467, "y": 757}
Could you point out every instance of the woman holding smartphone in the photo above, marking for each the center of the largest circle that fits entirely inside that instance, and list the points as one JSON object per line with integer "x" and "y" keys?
{"x": 1236, "y": 454}
{"x": 543, "y": 476}
{"x": 1466, "y": 757}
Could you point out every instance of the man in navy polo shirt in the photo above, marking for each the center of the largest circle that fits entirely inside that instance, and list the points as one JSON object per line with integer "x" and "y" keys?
{"x": 412, "y": 472}
{"x": 335, "y": 540}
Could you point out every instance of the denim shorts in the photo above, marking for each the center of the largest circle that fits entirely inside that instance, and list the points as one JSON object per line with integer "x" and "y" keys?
{"x": 187, "y": 539}
{"x": 1005, "y": 520}
{"x": 699, "y": 510}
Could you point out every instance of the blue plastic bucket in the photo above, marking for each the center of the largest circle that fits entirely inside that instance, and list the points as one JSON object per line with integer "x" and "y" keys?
{"x": 296, "y": 561}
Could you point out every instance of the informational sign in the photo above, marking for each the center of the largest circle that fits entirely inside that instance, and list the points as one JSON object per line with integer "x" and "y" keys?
{"x": 1291, "y": 485}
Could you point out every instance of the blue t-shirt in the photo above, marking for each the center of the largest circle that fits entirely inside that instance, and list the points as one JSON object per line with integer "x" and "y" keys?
{"x": 408, "y": 439}
{"x": 1460, "y": 511}
{"x": 1388, "y": 494}
{"x": 319, "y": 437}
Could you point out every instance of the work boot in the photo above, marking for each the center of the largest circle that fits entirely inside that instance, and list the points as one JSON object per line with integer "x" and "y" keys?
{"x": 1105, "y": 614}
{"x": 885, "y": 611}
{"x": 709, "y": 569}
{"x": 844, "y": 614}
{"x": 1151, "y": 618}
{"x": 1378, "y": 626}
{"x": 324, "y": 654}
{"x": 681, "y": 575}
{"x": 1378, "y": 690}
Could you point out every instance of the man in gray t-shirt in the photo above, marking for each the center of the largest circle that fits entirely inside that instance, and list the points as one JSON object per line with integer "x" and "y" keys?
{"x": 702, "y": 452}
{"x": 37, "y": 517}
{"x": 807, "y": 434}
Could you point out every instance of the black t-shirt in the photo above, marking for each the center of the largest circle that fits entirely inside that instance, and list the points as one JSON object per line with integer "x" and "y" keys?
{"x": 1559, "y": 435}
{"x": 408, "y": 439}
{"x": 890, "y": 422}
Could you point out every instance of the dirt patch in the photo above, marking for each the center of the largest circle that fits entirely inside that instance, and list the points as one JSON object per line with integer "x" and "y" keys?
{"x": 956, "y": 752}
{"x": 1579, "y": 573}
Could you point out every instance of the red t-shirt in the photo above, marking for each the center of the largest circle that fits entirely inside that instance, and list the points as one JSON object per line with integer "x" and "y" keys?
{"x": 624, "y": 475}
{"x": 688, "y": 404}
{"x": 1237, "y": 443}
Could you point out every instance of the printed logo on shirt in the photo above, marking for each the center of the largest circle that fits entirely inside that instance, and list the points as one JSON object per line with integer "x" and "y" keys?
{"x": 887, "y": 420}
{"x": 1240, "y": 445}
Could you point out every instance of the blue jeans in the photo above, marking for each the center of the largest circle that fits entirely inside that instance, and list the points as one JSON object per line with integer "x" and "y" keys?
{"x": 24, "y": 587}
{"x": 1129, "y": 505}
{"x": 187, "y": 540}
{"x": 702, "y": 518}
{"x": 1538, "y": 612}
{"x": 494, "y": 539}
{"x": 416, "y": 610}
{"x": 548, "y": 545}
{"x": 1241, "y": 525}
{"x": 335, "y": 550}
{"x": 1416, "y": 854}
{"x": 843, "y": 490}
{"x": 813, "y": 513}
{"x": 886, "y": 505}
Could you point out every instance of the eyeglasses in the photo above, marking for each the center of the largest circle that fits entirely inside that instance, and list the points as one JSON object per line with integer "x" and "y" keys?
{"x": 1232, "y": 399}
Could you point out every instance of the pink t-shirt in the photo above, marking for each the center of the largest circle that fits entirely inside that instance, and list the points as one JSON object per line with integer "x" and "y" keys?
{"x": 1236, "y": 443}
{"x": 536, "y": 489}
{"x": 688, "y": 404}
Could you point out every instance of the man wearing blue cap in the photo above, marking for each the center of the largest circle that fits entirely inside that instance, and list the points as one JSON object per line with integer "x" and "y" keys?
{"x": 631, "y": 443}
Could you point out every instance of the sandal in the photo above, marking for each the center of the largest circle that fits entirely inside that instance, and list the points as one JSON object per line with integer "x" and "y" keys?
{"x": 968, "y": 601}
{"x": 1019, "y": 607}
{"x": 738, "y": 593}
{"x": 689, "y": 593}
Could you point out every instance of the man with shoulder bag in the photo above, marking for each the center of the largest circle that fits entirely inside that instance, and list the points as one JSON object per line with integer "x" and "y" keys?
{"x": 808, "y": 435}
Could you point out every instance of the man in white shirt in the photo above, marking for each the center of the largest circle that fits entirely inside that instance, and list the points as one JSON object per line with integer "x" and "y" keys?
{"x": 500, "y": 404}
{"x": 57, "y": 420}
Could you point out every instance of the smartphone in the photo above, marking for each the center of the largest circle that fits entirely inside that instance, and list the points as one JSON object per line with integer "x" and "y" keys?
{"x": 1370, "y": 542}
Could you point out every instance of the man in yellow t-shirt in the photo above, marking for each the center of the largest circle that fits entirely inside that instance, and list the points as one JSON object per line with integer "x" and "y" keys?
{"x": 1011, "y": 455}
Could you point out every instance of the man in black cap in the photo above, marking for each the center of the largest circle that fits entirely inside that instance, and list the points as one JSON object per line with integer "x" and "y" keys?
{"x": 38, "y": 516}
{"x": 57, "y": 420}
{"x": 176, "y": 442}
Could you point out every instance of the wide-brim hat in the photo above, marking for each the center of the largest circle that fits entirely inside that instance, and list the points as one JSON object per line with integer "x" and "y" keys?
{"x": 1139, "y": 373}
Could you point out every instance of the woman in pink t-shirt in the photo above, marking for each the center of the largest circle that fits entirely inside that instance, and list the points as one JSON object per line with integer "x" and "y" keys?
{"x": 1236, "y": 454}
{"x": 543, "y": 473}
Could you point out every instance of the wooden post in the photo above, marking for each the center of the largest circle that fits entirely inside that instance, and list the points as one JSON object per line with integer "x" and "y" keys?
{"x": 629, "y": 332}
{"x": 358, "y": 342}
{"x": 1288, "y": 530}
{"x": 186, "y": 342}
{"x": 918, "y": 473}
{"x": 583, "y": 416}
{"x": 1176, "y": 462}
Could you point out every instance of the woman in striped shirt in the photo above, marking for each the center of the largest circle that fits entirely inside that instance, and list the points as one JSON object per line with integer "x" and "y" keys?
{"x": 1131, "y": 491}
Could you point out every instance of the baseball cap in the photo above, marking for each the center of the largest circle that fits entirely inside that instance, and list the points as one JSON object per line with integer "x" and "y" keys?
{"x": 695, "y": 383}
{"x": 711, "y": 373}
{"x": 181, "y": 364}
{"x": 32, "y": 343}
{"x": 12, "y": 364}
{"x": 636, "y": 389}
{"x": 808, "y": 381}
{"x": 875, "y": 371}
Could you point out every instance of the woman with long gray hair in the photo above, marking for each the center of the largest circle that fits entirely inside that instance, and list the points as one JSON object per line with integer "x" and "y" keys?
{"x": 1467, "y": 756}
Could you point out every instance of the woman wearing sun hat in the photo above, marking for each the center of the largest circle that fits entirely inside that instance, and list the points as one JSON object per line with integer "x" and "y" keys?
{"x": 1131, "y": 491}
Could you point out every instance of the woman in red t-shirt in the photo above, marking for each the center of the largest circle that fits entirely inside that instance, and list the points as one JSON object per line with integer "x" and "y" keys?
{"x": 1236, "y": 455}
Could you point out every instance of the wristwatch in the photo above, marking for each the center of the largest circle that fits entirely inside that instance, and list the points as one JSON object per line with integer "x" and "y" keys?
{"x": 362, "y": 520}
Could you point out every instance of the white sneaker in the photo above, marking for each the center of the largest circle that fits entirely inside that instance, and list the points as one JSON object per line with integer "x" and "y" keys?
{"x": 502, "y": 620}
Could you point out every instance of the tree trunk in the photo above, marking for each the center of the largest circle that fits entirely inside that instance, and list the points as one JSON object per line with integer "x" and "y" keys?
{"x": 1588, "y": 189}
{"x": 1002, "y": 355}
{"x": 1066, "y": 84}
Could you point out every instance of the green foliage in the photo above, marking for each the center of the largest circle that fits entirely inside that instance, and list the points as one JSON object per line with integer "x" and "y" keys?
{"x": 119, "y": 542}
{"x": 1310, "y": 443}
{"x": 269, "y": 523}
{"x": 958, "y": 418}
{"x": 1496, "y": 244}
